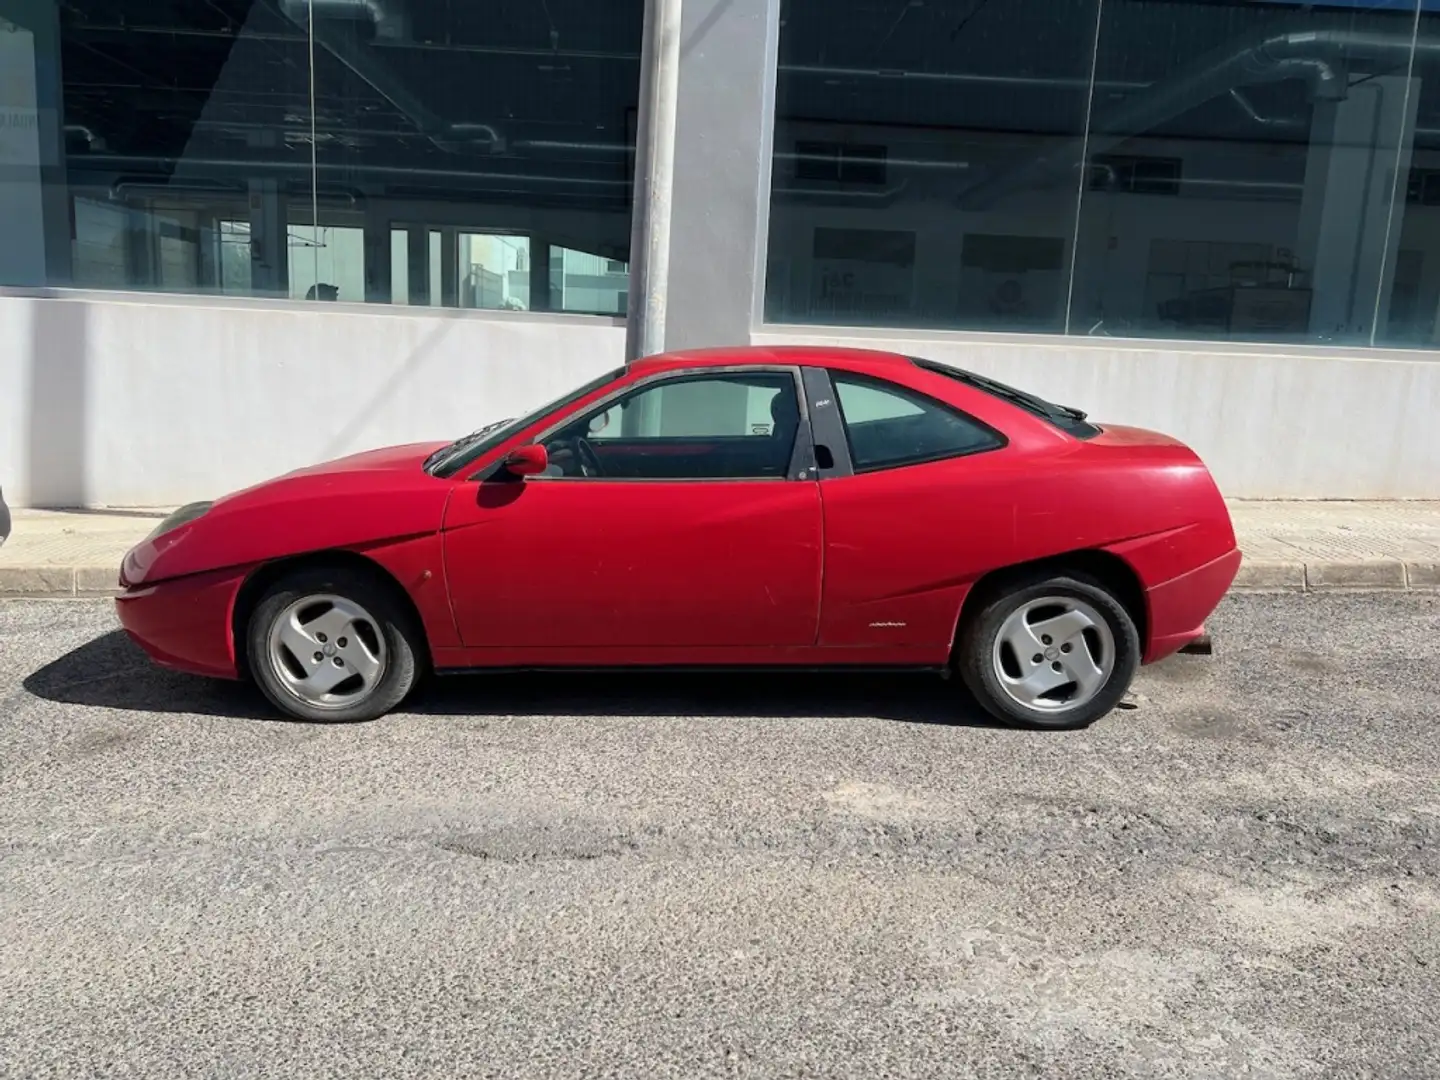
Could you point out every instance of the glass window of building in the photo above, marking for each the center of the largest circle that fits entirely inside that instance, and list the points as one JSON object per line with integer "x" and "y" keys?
{"x": 471, "y": 144}
{"x": 888, "y": 115}
{"x": 1260, "y": 170}
{"x": 1252, "y": 184}
{"x": 126, "y": 138}
{"x": 1409, "y": 307}
{"x": 412, "y": 152}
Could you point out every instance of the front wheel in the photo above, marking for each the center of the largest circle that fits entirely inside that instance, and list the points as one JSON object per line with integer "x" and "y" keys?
{"x": 331, "y": 645}
{"x": 1055, "y": 652}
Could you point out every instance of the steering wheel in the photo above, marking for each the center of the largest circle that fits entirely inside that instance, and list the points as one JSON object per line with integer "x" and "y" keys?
{"x": 586, "y": 457}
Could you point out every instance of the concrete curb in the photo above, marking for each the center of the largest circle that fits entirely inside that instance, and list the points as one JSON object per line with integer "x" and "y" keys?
{"x": 62, "y": 582}
{"x": 1255, "y": 576}
{"x": 1328, "y": 575}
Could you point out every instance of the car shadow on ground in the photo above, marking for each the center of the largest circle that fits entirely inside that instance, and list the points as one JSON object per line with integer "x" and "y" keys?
{"x": 111, "y": 672}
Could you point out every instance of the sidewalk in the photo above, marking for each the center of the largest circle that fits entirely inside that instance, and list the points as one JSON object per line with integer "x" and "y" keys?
{"x": 1289, "y": 546}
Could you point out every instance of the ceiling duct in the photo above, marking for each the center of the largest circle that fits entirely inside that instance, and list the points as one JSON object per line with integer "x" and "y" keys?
{"x": 162, "y": 170}
{"x": 1322, "y": 58}
{"x": 391, "y": 21}
{"x": 392, "y": 24}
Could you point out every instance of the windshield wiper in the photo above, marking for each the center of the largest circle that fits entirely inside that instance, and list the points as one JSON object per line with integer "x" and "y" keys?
{"x": 463, "y": 442}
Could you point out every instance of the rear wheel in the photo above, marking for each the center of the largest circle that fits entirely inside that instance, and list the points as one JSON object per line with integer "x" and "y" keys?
{"x": 331, "y": 645}
{"x": 1054, "y": 651}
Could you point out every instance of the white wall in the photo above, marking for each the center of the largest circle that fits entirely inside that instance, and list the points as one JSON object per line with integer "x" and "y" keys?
{"x": 1271, "y": 422}
{"x": 138, "y": 400}
{"x": 154, "y": 401}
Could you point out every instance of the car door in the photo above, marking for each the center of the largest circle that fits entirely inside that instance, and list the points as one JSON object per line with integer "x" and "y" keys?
{"x": 918, "y": 500}
{"x": 678, "y": 513}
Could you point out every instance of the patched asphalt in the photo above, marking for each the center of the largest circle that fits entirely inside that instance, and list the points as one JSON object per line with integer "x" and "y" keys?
{"x": 729, "y": 876}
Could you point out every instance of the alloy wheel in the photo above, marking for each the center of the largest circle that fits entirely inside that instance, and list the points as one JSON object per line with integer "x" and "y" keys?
{"x": 1053, "y": 654}
{"x": 328, "y": 651}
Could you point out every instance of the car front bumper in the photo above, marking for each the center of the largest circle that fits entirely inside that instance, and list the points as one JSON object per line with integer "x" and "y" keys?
{"x": 185, "y": 624}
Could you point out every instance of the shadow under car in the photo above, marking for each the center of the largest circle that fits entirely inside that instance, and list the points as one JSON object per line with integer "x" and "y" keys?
{"x": 111, "y": 672}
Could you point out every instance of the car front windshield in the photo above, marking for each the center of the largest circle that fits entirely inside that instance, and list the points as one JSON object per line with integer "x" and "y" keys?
{"x": 449, "y": 460}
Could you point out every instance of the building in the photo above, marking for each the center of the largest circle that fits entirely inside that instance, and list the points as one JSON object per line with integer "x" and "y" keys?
{"x": 237, "y": 236}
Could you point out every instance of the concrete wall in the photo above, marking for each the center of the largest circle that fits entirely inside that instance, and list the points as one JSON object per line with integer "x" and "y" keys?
{"x": 146, "y": 400}
{"x": 1271, "y": 422}
{"x": 129, "y": 400}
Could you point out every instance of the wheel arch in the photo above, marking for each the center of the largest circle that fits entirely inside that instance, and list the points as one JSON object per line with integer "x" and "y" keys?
{"x": 1110, "y": 570}
{"x": 260, "y": 579}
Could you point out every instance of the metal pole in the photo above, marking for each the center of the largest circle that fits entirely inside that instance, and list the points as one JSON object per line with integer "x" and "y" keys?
{"x": 654, "y": 180}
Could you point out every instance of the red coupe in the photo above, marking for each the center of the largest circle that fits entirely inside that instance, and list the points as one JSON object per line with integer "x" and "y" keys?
{"x": 736, "y": 508}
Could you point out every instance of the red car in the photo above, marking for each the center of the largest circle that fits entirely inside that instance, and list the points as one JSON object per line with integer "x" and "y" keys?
{"x": 736, "y": 508}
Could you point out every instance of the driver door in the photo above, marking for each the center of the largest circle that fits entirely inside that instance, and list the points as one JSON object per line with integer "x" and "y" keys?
{"x": 674, "y": 516}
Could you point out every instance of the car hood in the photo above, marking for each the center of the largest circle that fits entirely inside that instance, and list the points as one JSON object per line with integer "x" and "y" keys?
{"x": 383, "y": 468}
{"x": 385, "y": 459}
{"x": 350, "y": 503}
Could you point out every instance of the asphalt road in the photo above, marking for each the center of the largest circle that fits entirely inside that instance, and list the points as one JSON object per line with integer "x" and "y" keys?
{"x": 687, "y": 877}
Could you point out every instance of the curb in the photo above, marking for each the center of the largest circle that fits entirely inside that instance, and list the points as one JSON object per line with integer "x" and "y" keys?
{"x": 1255, "y": 576}
{"x": 58, "y": 582}
{"x": 1324, "y": 575}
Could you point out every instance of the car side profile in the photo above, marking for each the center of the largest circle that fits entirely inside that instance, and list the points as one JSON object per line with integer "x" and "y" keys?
{"x": 739, "y": 508}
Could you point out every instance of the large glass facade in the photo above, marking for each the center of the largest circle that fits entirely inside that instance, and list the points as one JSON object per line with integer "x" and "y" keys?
{"x": 1262, "y": 170}
{"x": 415, "y": 152}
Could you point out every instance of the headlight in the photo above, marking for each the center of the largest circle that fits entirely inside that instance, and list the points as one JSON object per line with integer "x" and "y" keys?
{"x": 183, "y": 516}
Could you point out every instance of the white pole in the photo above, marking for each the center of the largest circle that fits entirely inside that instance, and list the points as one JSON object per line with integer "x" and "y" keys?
{"x": 654, "y": 180}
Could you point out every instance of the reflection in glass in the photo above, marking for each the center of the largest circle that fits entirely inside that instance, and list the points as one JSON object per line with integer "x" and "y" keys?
{"x": 488, "y": 135}
{"x": 888, "y": 117}
{"x": 581, "y": 281}
{"x": 1410, "y": 306}
{"x": 343, "y": 150}
{"x": 1263, "y": 170}
{"x": 495, "y": 272}
{"x": 146, "y": 146}
{"x": 1245, "y": 189}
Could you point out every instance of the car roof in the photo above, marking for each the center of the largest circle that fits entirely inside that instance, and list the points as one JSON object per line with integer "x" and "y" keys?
{"x": 815, "y": 355}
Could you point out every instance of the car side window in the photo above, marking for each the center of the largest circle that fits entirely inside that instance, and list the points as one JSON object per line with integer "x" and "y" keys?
{"x": 692, "y": 427}
{"x": 889, "y": 426}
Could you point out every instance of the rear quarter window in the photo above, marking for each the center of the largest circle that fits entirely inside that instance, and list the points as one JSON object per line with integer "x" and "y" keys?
{"x": 888, "y": 426}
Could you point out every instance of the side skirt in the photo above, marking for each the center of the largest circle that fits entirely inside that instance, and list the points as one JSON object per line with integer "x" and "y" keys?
{"x": 703, "y": 669}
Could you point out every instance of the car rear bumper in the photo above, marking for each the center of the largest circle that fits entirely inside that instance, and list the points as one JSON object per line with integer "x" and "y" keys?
{"x": 185, "y": 624}
{"x": 1178, "y": 608}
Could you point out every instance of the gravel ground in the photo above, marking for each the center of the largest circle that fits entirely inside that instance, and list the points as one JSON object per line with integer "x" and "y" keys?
{"x": 687, "y": 877}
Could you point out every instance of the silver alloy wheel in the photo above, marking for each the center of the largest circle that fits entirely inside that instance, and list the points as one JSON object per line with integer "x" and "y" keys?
{"x": 1054, "y": 654}
{"x": 328, "y": 651}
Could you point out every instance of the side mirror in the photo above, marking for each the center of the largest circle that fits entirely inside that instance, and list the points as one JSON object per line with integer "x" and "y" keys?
{"x": 527, "y": 460}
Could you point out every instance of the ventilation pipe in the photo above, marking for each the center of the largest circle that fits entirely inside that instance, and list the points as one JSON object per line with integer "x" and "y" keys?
{"x": 162, "y": 168}
{"x": 391, "y": 23}
{"x": 1322, "y": 58}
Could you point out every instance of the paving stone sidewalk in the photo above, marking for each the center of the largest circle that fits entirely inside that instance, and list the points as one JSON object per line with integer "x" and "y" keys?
{"x": 1289, "y": 546}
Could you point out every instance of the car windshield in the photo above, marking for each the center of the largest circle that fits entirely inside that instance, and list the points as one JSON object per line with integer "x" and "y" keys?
{"x": 449, "y": 460}
{"x": 1066, "y": 417}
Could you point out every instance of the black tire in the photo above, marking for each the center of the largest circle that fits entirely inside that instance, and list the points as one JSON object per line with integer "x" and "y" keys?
{"x": 980, "y": 627}
{"x": 402, "y": 643}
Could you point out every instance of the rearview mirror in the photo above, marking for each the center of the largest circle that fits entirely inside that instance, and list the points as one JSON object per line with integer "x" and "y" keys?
{"x": 527, "y": 460}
